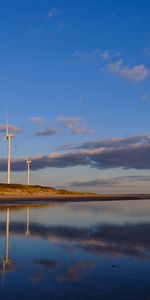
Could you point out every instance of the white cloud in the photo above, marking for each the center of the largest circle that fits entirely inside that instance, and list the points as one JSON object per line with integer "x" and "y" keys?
{"x": 37, "y": 120}
{"x": 110, "y": 181}
{"x": 58, "y": 28}
{"x": 10, "y": 127}
{"x": 88, "y": 56}
{"x": 96, "y": 55}
{"x": 115, "y": 67}
{"x": 53, "y": 12}
{"x": 74, "y": 125}
{"x": 135, "y": 73}
{"x": 147, "y": 51}
{"x": 106, "y": 55}
{"x": 62, "y": 119}
{"x": 75, "y": 129}
{"x": 46, "y": 132}
{"x": 146, "y": 98}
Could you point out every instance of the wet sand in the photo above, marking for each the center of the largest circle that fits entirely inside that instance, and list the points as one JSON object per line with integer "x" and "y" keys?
{"x": 44, "y": 198}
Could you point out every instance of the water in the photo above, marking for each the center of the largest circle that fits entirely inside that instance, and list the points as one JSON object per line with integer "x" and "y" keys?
{"x": 70, "y": 251}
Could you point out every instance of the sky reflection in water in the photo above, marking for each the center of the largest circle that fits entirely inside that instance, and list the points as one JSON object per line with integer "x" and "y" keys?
{"x": 76, "y": 251}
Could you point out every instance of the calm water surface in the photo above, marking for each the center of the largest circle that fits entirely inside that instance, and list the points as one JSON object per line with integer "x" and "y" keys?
{"x": 71, "y": 251}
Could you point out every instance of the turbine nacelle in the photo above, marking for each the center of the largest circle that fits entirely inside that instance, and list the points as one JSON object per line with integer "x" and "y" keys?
{"x": 28, "y": 161}
{"x": 11, "y": 135}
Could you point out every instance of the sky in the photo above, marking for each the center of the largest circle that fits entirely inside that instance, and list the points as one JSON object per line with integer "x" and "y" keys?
{"x": 74, "y": 81}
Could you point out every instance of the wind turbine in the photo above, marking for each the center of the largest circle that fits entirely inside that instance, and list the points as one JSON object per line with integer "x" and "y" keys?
{"x": 8, "y": 136}
{"x": 28, "y": 162}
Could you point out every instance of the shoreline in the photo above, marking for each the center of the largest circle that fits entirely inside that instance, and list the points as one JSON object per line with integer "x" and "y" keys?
{"x": 71, "y": 198}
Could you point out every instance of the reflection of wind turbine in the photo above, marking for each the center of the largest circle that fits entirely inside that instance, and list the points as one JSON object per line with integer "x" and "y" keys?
{"x": 27, "y": 232}
{"x": 7, "y": 261}
{"x": 8, "y": 137}
{"x": 28, "y": 162}
{"x": 7, "y": 265}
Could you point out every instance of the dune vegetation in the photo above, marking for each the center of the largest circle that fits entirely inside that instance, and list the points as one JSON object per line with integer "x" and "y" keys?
{"x": 25, "y": 190}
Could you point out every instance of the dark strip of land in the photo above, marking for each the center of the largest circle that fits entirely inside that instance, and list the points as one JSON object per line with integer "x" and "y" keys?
{"x": 75, "y": 198}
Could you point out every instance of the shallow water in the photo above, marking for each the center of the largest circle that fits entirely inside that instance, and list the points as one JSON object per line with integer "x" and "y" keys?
{"x": 93, "y": 250}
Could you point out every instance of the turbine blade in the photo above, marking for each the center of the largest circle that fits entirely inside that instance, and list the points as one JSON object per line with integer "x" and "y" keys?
{"x": 3, "y": 140}
{"x": 6, "y": 125}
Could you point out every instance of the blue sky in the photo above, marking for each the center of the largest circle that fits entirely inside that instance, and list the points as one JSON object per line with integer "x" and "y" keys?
{"x": 75, "y": 79}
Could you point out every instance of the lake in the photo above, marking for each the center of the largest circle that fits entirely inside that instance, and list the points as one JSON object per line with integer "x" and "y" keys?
{"x": 75, "y": 250}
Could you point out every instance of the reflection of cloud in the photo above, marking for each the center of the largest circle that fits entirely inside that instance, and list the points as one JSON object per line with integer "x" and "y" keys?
{"x": 36, "y": 278}
{"x": 115, "y": 249}
{"x": 76, "y": 271}
{"x": 122, "y": 240}
{"x": 110, "y": 209}
{"x": 46, "y": 263}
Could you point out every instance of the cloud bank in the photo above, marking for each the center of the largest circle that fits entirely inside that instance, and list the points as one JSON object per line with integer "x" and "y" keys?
{"x": 109, "y": 182}
{"x": 127, "y": 153}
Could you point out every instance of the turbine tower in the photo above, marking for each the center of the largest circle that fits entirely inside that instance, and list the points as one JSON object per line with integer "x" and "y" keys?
{"x": 8, "y": 137}
{"x": 28, "y": 170}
